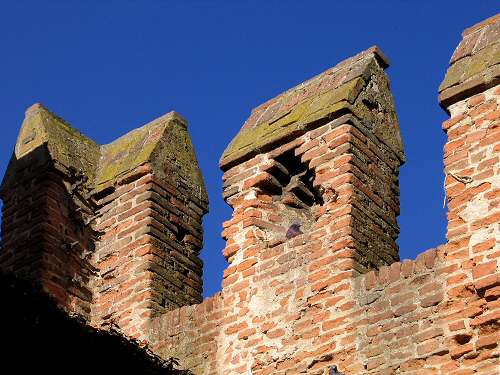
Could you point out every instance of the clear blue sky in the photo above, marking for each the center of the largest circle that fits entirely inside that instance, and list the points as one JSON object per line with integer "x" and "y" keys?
{"x": 110, "y": 66}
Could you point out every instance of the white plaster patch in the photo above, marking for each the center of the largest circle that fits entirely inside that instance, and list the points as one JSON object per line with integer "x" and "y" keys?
{"x": 475, "y": 209}
{"x": 252, "y": 194}
{"x": 262, "y": 302}
{"x": 495, "y": 181}
{"x": 458, "y": 108}
{"x": 481, "y": 236}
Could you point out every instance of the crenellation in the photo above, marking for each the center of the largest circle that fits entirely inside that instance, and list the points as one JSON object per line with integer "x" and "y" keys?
{"x": 86, "y": 230}
{"x": 314, "y": 282}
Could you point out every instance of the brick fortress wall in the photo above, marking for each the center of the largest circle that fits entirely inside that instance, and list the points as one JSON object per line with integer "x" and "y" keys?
{"x": 326, "y": 297}
{"x": 112, "y": 232}
{"x": 314, "y": 280}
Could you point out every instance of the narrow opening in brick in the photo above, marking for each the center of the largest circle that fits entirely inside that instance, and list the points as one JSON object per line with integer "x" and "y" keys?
{"x": 297, "y": 181}
{"x": 181, "y": 233}
{"x": 103, "y": 193}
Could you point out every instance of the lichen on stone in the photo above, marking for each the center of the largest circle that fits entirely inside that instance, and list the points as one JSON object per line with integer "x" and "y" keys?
{"x": 323, "y": 97}
{"x": 475, "y": 65}
{"x": 164, "y": 144}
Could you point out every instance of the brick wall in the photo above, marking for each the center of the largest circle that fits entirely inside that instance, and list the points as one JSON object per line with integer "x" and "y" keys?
{"x": 44, "y": 236}
{"x": 314, "y": 281}
{"x": 335, "y": 296}
{"x": 112, "y": 232}
{"x": 147, "y": 257}
{"x": 43, "y": 242}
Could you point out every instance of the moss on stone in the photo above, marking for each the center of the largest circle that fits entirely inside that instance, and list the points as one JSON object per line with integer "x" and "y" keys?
{"x": 253, "y": 139}
{"x": 163, "y": 143}
{"x": 126, "y": 153}
{"x": 474, "y": 66}
{"x": 320, "y": 99}
{"x": 66, "y": 145}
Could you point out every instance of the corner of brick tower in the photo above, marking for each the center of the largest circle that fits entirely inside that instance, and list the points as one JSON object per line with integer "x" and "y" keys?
{"x": 470, "y": 93}
{"x": 111, "y": 232}
{"x": 318, "y": 167}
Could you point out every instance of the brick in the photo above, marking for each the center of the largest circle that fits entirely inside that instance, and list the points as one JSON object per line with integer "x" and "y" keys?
{"x": 407, "y": 268}
{"x": 487, "y": 282}
{"x": 488, "y": 342}
{"x": 336, "y": 294}
{"x": 276, "y": 333}
{"x": 432, "y": 300}
{"x": 428, "y": 334}
{"x": 492, "y": 294}
{"x": 461, "y": 350}
{"x": 484, "y": 269}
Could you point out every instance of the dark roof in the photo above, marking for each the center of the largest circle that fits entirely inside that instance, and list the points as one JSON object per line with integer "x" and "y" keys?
{"x": 36, "y": 334}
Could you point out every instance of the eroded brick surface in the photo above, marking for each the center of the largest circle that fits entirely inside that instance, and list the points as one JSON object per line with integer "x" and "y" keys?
{"x": 314, "y": 281}
{"x": 112, "y": 232}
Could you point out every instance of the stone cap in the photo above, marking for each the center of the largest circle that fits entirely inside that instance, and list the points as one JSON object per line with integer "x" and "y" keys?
{"x": 164, "y": 144}
{"x": 475, "y": 64}
{"x": 295, "y": 111}
{"x": 66, "y": 146}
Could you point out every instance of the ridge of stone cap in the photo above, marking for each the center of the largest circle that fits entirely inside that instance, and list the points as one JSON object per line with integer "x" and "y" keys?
{"x": 488, "y": 21}
{"x": 174, "y": 160}
{"x": 70, "y": 151}
{"x": 373, "y": 51}
{"x": 131, "y": 150}
{"x": 35, "y": 107}
{"x": 165, "y": 145}
{"x": 291, "y": 112}
{"x": 99, "y": 167}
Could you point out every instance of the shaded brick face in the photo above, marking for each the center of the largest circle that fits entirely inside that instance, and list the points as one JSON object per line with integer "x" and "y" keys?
{"x": 114, "y": 239}
{"x": 134, "y": 255}
{"x": 147, "y": 257}
{"x": 44, "y": 238}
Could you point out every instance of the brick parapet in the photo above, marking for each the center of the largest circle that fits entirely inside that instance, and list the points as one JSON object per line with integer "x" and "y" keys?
{"x": 147, "y": 257}
{"x": 112, "y": 233}
{"x": 314, "y": 282}
{"x": 436, "y": 314}
{"x": 44, "y": 238}
{"x": 304, "y": 305}
{"x": 352, "y": 181}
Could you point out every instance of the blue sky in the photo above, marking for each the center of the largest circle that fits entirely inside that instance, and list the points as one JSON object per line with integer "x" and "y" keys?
{"x": 110, "y": 66}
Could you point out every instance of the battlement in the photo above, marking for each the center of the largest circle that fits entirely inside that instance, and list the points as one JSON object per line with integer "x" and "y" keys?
{"x": 349, "y": 87}
{"x": 314, "y": 283}
{"x": 112, "y": 232}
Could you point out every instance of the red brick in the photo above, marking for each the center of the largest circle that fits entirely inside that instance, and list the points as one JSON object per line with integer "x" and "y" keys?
{"x": 484, "y": 269}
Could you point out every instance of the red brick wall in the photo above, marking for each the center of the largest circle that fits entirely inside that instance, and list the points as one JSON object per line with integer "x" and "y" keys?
{"x": 283, "y": 300}
{"x": 147, "y": 256}
{"x": 44, "y": 238}
{"x": 331, "y": 293}
{"x": 298, "y": 306}
{"x": 114, "y": 238}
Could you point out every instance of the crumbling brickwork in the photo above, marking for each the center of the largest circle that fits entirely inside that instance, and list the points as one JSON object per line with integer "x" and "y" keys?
{"x": 335, "y": 296}
{"x": 314, "y": 281}
{"x": 112, "y": 232}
